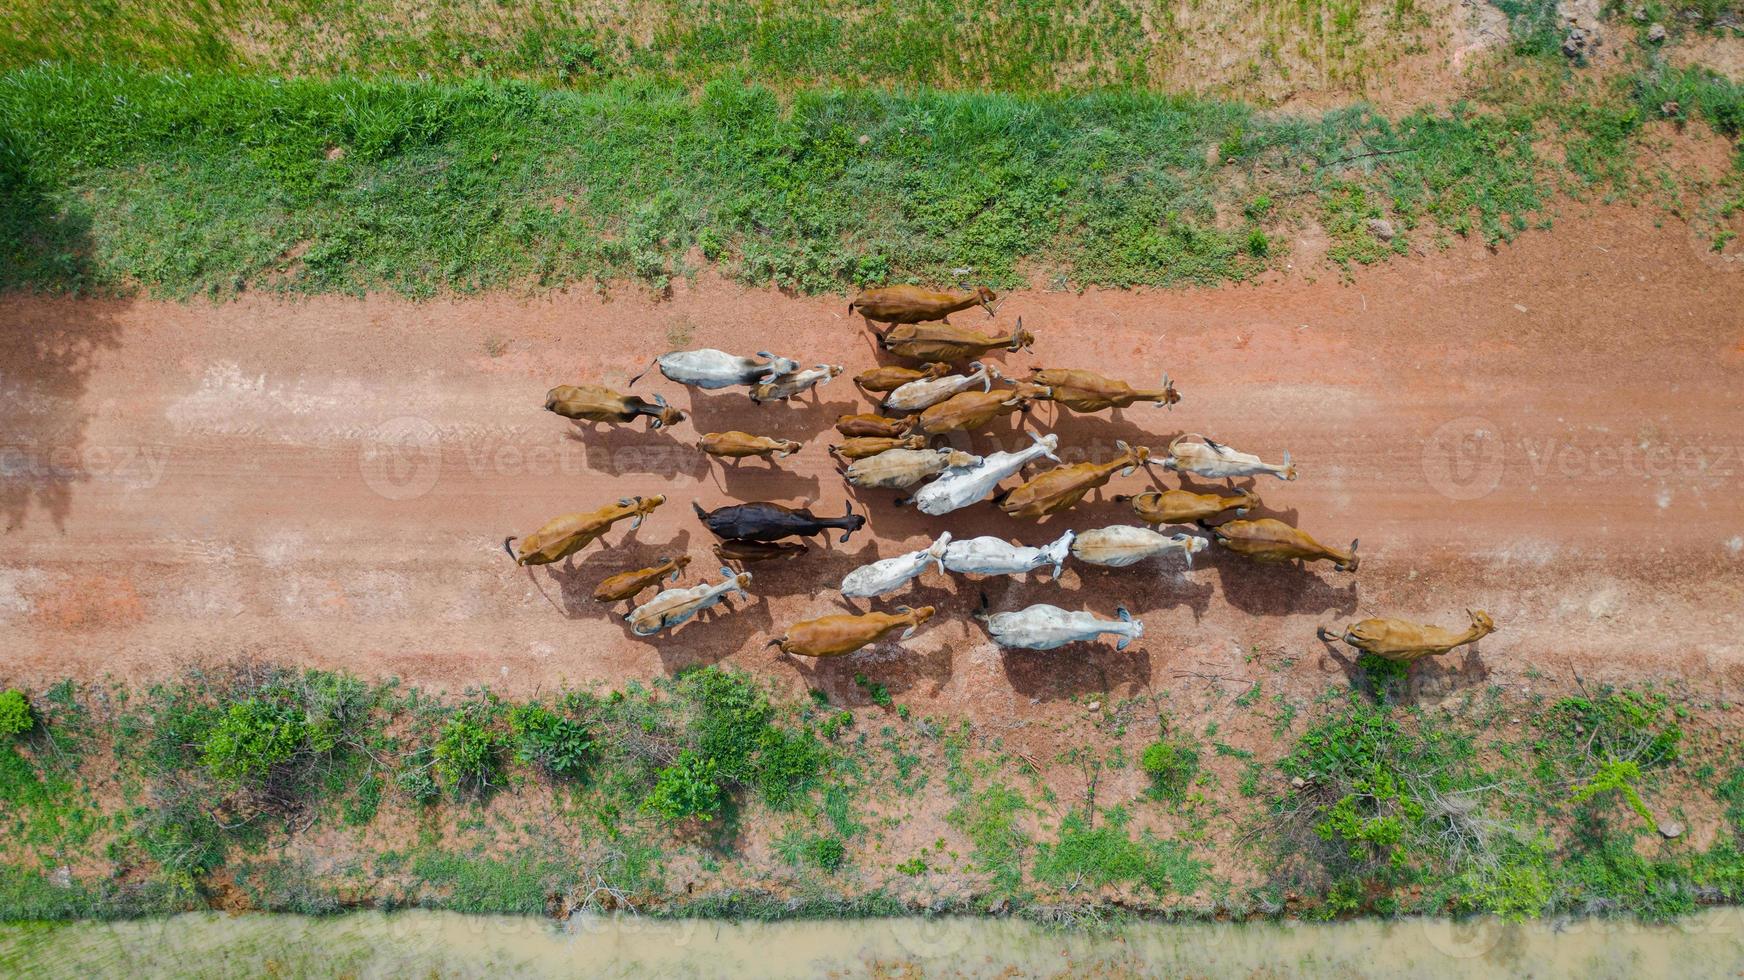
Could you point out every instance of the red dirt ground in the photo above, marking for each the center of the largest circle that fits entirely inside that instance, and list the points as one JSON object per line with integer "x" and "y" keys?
{"x": 1551, "y": 432}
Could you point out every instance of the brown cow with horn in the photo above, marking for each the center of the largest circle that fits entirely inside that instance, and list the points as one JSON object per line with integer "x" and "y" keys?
{"x": 1402, "y": 641}
{"x": 563, "y": 536}
{"x": 914, "y": 304}
{"x": 1271, "y": 540}
{"x": 835, "y": 636}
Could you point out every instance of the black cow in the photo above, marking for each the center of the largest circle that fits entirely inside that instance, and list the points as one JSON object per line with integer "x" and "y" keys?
{"x": 763, "y": 521}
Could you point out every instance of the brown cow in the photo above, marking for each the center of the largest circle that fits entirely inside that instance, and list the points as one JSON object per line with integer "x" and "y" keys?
{"x": 943, "y": 342}
{"x": 739, "y": 445}
{"x": 913, "y": 304}
{"x": 594, "y": 403}
{"x": 1271, "y": 540}
{"x": 967, "y": 411}
{"x": 1063, "y": 486}
{"x": 1186, "y": 507}
{"x": 747, "y": 552}
{"x": 864, "y": 446}
{"x": 629, "y": 585}
{"x": 891, "y": 378}
{"x": 1402, "y": 641}
{"x": 874, "y": 425}
{"x": 835, "y": 636}
{"x": 563, "y": 536}
{"x": 1087, "y": 391}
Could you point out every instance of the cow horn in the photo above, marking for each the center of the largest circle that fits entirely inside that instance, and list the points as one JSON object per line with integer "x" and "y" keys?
{"x": 700, "y": 513}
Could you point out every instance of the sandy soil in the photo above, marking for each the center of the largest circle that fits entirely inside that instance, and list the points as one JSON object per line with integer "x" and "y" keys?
{"x": 1550, "y": 432}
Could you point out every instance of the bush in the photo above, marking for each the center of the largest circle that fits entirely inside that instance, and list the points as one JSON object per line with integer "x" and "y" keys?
{"x": 16, "y": 718}
{"x": 468, "y": 753}
{"x": 253, "y": 737}
{"x": 689, "y": 787}
{"x": 416, "y": 779}
{"x": 786, "y": 766}
{"x": 731, "y": 717}
{"x": 826, "y": 852}
{"x": 559, "y": 745}
{"x": 1172, "y": 765}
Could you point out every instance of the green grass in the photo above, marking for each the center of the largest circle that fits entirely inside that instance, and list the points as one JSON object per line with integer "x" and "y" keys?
{"x": 1004, "y": 44}
{"x": 516, "y": 885}
{"x": 212, "y": 184}
{"x": 1375, "y": 807}
{"x": 1086, "y": 857}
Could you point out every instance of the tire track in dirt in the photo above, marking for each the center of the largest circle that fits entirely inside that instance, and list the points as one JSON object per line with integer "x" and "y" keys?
{"x": 1551, "y": 432}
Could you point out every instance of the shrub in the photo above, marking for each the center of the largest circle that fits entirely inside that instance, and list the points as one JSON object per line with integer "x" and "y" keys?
{"x": 826, "y": 852}
{"x": 253, "y": 737}
{"x": 416, "y": 779}
{"x": 560, "y": 745}
{"x": 731, "y": 715}
{"x": 786, "y": 765}
{"x": 1171, "y": 764}
{"x": 690, "y": 787}
{"x": 467, "y": 753}
{"x": 16, "y": 718}
{"x": 1103, "y": 855}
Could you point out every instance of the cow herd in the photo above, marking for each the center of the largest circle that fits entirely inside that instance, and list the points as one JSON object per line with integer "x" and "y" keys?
{"x": 890, "y": 450}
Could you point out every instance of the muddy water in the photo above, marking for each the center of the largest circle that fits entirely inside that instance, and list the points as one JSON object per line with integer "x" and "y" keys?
{"x": 440, "y": 944}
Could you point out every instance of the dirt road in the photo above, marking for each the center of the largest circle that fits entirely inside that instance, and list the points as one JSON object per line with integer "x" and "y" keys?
{"x": 1553, "y": 432}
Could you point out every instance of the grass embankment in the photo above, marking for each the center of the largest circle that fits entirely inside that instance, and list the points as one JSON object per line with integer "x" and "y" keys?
{"x": 1017, "y": 45}
{"x": 304, "y": 791}
{"x": 212, "y": 184}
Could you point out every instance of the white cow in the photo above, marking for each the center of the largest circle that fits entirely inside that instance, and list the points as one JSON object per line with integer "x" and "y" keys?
{"x": 1045, "y": 627}
{"x": 710, "y": 369}
{"x": 961, "y": 486}
{"x": 794, "y": 383}
{"x": 890, "y": 574}
{"x": 927, "y": 392}
{"x": 1216, "y": 461}
{"x": 673, "y": 607}
{"x": 996, "y": 556}
{"x": 1120, "y": 545}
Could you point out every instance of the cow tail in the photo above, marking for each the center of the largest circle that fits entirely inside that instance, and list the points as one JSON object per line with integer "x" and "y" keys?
{"x": 650, "y": 367}
{"x": 511, "y": 551}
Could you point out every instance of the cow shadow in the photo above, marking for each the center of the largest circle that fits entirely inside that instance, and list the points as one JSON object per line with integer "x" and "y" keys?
{"x": 799, "y": 419}
{"x": 1428, "y": 679}
{"x": 747, "y": 480}
{"x": 49, "y": 349}
{"x": 1095, "y": 435}
{"x": 819, "y": 570}
{"x": 1263, "y": 589}
{"x": 1077, "y": 669}
{"x": 1162, "y": 587}
{"x": 619, "y": 450}
{"x": 921, "y": 664}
